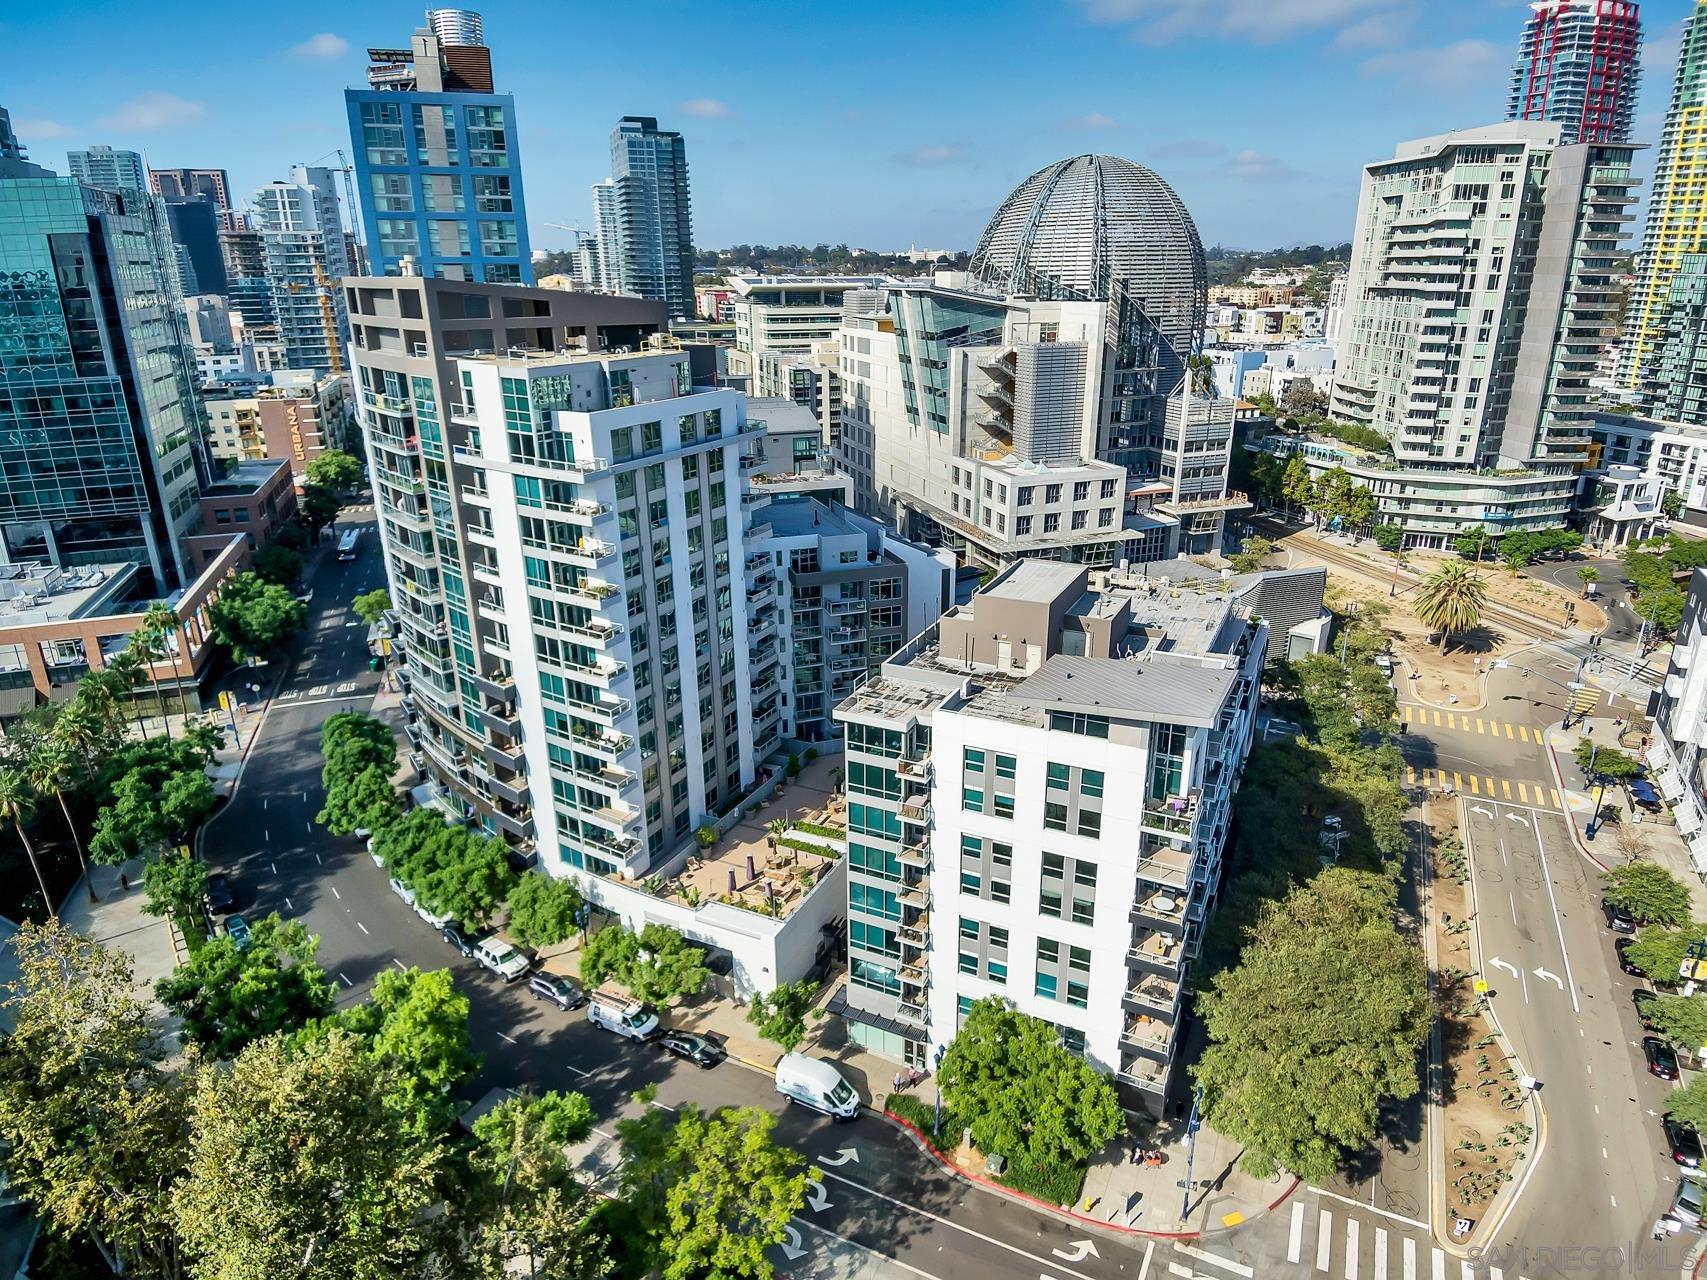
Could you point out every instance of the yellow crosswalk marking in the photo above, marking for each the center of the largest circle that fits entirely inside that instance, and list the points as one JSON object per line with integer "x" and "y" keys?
{"x": 1508, "y": 731}
{"x": 1505, "y": 786}
{"x": 1450, "y": 724}
{"x": 1523, "y": 793}
{"x": 1437, "y": 719}
{"x": 1557, "y": 802}
{"x": 1523, "y": 733}
{"x": 1475, "y": 787}
{"x": 1490, "y": 783}
{"x": 1410, "y": 776}
{"x": 1407, "y": 709}
{"x": 1457, "y": 782}
{"x": 1479, "y": 728}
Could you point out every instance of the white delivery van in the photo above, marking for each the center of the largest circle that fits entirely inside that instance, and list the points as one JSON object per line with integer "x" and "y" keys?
{"x": 817, "y": 1085}
{"x": 622, "y": 1014}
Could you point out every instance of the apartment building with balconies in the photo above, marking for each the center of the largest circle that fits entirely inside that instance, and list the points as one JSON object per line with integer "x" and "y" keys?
{"x": 1676, "y": 752}
{"x": 1038, "y": 793}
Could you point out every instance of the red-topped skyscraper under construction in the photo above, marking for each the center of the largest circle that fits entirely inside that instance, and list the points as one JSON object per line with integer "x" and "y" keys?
{"x": 1578, "y": 66}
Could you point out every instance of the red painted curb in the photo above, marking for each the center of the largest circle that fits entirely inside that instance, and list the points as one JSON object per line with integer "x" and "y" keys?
{"x": 948, "y": 1166}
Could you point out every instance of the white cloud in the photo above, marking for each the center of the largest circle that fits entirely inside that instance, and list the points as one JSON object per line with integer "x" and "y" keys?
{"x": 1448, "y": 70}
{"x": 1095, "y": 120}
{"x": 325, "y": 45}
{"x": 33, "y": 130}
{"x": 150, "y": 111}
{"x": 930, "y": 157}
{"x": 1258, "y": 166}
{"x": 1249, "y": 21}
{"x": 704, "y": 108}
{"x": 1377, "y": 30}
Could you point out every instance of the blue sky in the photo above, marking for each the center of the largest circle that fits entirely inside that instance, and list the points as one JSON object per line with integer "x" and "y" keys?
{"x": 882, "y": 125}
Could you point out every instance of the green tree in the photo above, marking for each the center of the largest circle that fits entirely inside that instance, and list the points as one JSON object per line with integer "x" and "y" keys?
{"x": 1588, "y": 575}
{"x": 781, "y": 1016}
{"x": 711, "y": 1192}
{"x": 1474, "y": 544}
{"x": 319, "y": 507}
{"x": 1688, "y": 1105}
{"x": 365, "y": 801}
{"x": 93, "y": 1128}
{"x": 1672, "y": 504}
{"x": 173, "y": 885}
{"x": 1662, "y": 610}
{"x": 301, "y": 1166}
{"x": 450, "y": 869}
{"x": 530, "y": 1214}
{"x": 372, "y": 605}
{"x": 157, "y": 641}
{"x": 1251, "y": 556}
{"x": 1658, "y": 951}
{"x": 657, "y": 964}
{"x": 334, "y": 469}
{"x": 1023, "y": 1095}
{"x": 230, "y": 997}
{"x": 278, "y": 563}
{"x": 544, "y": 910}
{"x": 1389, "y": 537}
{"x": 1451, "y": 599}
{"x": 1681, "y": 1019}
{"x": 1316, "y": 1027}
{"x": 1649, "y": 892}
{"x": 17, "y": 806}
{"x": 252, "y": 618}
{"x": 49, "y": 768}
{"x": 1295, "y": 486}
{"x": 1608, "y": 762}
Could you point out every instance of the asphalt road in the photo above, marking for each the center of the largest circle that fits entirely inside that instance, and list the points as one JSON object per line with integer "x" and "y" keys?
{"x": 1603, "y": 1176}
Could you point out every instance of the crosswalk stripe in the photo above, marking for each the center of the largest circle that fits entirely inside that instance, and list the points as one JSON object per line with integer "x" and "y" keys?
{"x": 1437, "y": 719}
{"x": 1523, "y": 733}
{"x": 1479, "y": 728}
{"x": 1496, "y": 1273}
{"x": 1508, "y": 731}
{"x": 1295, "y": 1238}
{"x": 1439, "y": 1269}
{"x": 1380, "y": 1254}
{"x": 1351, "y": 1249}
{"x": 1410, "y": 1259}
{"x": 1523, "y": 793}
{"x": 1505, "y": 786}
{"x": 1457, "y": 782}
{"x": 1557, "y": 802}
{"x": 1475, "y": 785}
{"x": 1324, "y": 1241}
{"x": 1450, "y": 722}
{"x": 1466, "y": 1271}
{"x": 1405, "y": 713}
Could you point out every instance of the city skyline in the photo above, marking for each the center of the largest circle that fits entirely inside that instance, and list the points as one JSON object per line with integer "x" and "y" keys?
{"x": 934, "y": 167}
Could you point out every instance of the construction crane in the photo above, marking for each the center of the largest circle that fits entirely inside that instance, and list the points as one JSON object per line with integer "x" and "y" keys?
{"x": 344, "y": 167}
{"x": 579, "y": 232}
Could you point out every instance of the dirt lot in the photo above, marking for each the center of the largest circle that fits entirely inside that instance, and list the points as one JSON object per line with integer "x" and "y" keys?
{"x": 1453, "y": 676}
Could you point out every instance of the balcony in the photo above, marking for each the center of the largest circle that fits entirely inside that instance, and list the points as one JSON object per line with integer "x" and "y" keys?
{"x": 917, "y": 896}
{"x": 1156, "y": 953}
{"x": 1145, "y": 1073}
{"x": 595, "y": 594}
{"x": 916, "y": 855}
{"x": 518, "y": 825}
{"x": 917, "y": 932}
{"x": 503, "y": 757}
{"x": 617, "y": 817}
{"x": 915, "y": 976}
{"x": 916, "y": 770}
{"x": 509, "y": 792}
{"x": 1176, "y": 815}
{"x": 500, "y": 688}
{"x": 605, "y": 710}
{"x": 503, "y": 723}
{"x": 1154, "y": 994}
{"x": 841, "y": 608}
{"x": 1160, "y": 911}
{"x": 598, "y": 630}
{"x": 917, "y": 809}
{"x": 609, "y": 746}
{"x": 588, "y": 552}
{"x": 602, "y": 671}
{"x": 1148, "y": 1036}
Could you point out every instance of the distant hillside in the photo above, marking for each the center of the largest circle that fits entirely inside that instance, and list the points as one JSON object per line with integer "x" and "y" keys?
{"x": 1229, "y": 266}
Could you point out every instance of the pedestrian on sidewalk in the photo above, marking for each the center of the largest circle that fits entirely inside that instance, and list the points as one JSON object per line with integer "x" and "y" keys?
{"x": 896, "y": 1081}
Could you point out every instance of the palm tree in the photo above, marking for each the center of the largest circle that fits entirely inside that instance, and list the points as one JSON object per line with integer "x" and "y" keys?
{"x": 126, "y": 669}
{"x": 162, "y": 620}
{"x": 1451, "y": 599}
{"x": 148, "y": 642}
{"x": 48, "y": 769}
{"x": 1588, "y": 575}
{"x": 16, "y": 805}
{"x": 1202, "y": 372}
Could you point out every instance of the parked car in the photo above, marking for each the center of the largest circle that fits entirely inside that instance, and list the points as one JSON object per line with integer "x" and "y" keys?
{"x": 403, "y": 891}
{"x": 1685, "y": 1144}
{"x": 438, "y": 919}
{"x": 622, "y": 1015}
{"x": 1662, "y": 1058}
{"x": 220, "y": 898}
{"x": 557, "y": 990}
{"x": 1642, "y": 999}
{"x": 816, "y": 1085}
{"x": 1689, "y": 1203}
{"x": 1622, "y": 948}
{"x": 501, "y": 958}
{"x": 1617, "y": 918}
{"x": 237, "y": 929}
{"x": 696, "y": 1049}
{"x": 459, "y": 936}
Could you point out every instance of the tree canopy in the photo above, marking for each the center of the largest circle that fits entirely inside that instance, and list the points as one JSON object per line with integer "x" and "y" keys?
{"x": 544, "y": 910}
{"x": 1658, "y": 951}
{"x": 1649, "y": 892}
{"x": 230, "y": 996}
{"x": 372, "y": 605}
{"x": 1451, "y": 599}
{"x": 780, "y": 1016}
{"x": 1688, "y": 1105}
{"x": 252, "y": 617}
{"x": 450, "y": 869}
{"x": 1023, "y": 1095}
{"x": 1607, "y": 762}
{"x": 1318, "y": 1024}
{"x": 657, "y": 964}
{"x": 1681, "y": 1019}
{"x": 334, "y": 469}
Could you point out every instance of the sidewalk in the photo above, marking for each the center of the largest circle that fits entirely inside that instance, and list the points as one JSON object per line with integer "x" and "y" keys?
{"x": 1653, "y": 837}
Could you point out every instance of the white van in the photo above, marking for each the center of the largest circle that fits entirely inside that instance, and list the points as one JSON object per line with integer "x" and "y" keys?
{"x": 622, "y": 1014}
{"x": 817, "y": 1085}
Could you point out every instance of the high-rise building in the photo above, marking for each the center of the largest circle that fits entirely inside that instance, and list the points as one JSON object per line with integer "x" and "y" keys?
{"x": 1578, "y": 66}
{"x": 601, "y": 252}
{"x": 14, "y": 162}
{"x": 100, "y": 429}
{"x": 1480, "y": 290}
{"x": 653, "y": 242}
{"x": 302, "y": 237}
{"x": 791, "y": 313}
{"x": 194, "y": 225}
{"x": 191, "y": 184}
{"x": 437, "y": 160}
{"x": 1677, "y": 210}
{"x": 1039, "y": 789}
{"x": 244, "y": 253}
{"x": 1676, "y": 753}
{"x": 109, "y": 169}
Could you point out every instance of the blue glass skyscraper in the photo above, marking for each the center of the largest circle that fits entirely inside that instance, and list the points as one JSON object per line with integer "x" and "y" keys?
{"x": 436, "y": 160}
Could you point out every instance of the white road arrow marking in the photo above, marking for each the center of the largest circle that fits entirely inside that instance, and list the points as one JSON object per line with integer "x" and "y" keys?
{"x": 1549, "y": 977}
{"x": 817, "y": 1196}
{"x": 1486, "y": 813}
{"x": 1517, "y": 817}
{"x": 793, "y": 1248}
{"x": 1497, "y": 963}
{"x": 1078, "y": 1252}
{"x": 840, "y": 1158}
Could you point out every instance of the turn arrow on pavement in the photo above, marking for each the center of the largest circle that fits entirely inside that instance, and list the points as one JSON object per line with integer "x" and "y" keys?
{"x": 1497, "y": 963}
{"x": 1078, "y": 1251}
{"x": 793, "y": 1247}
{"x": 817, "y": 1195}
{"x": 1518, "y": 818}
{"x": 1486, "y": 813}
{"x": 1549, "y": 977}
{"x": 840, "y": 1158}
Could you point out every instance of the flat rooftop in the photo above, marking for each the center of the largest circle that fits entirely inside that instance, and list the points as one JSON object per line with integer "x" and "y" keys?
{"x": 247, "y": 477}
{"x": 35, "y": 593}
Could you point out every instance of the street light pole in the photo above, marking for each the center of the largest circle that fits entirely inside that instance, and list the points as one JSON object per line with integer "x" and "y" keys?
{"x": 936, "y": 1124}
{"x": 1191, "y": 1127}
